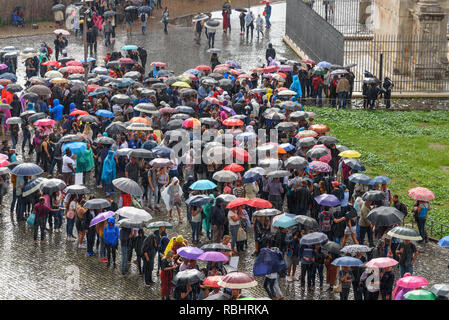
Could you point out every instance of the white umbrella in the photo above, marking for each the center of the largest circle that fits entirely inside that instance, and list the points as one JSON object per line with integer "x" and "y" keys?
{"x": 134, "y": 214}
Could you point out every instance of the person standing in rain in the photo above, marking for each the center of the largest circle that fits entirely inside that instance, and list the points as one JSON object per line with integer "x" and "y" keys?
{"x": 198, "y": 31}
{"x": 165, "y": 19}
{"x": 259, "y": 25}
{"x": 242, "y": 23}
{"x": 210, "y": 37}
{"x": 128, "y": 22}
{"x": 249, "y": 19}
{"x": 267, "y": 14}
{"x": 270, "y": 53}
{"x": 144, "y": 20}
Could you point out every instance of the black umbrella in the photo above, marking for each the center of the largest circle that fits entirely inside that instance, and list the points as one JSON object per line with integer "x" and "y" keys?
{"x": 189, "y": 276}
{"x": 216, "y": 247}
{"x": 212, "y": 24}
{"x": 296, "y": 162}
{"x": 128, "y": 186}
{"x": 241, "y": 9}
{"x": 52, "y": 185}
{"x": 208, "y": 121}
{"x": 275, "y": 116}
{"x": 97, "y": 204}
{"x": 27, "y": 169}
{"x": 37, "y": 116}
{"x": 174, "y": 124}
{"x": 104, "y": 140}
{"x": 359, "y": 178}
{"x": 109, "y": 14}
{"x": 373, "y": 195}
{"x": 307, "y": 222}
{"x": 131, "y": 8}
{"x": 27, "y": 113}
{"x": 58, "y": 7}
{"x": 332, "y": 247}
{"x": 40, "y": 89}
{"x": 146, "y": 108}
{"x": 198, "y": 200}
{"x": 327, "y": 140}
{"x": 115, "y": 127}
{"x": 317, "y": 153}
{"x": 441, "y": 289}
{"x": 121, "y": 99}
{"x": 70, "y": 138}
{"x": 289, "y": 105}
{"x": 354, "y": 164}
{"x": 200, "y": 17}
{"x": 14, "y": 120}
{"x": 14, "y": 87}
{"x": 145, "y": 92}
{"x": 77, "y": 189}
{"x": 287, "y": 126}
{"x": 385, "y": 216}
{"x": 306, "y": 142}
{"x": 267, "y": 213}
{"x": 142, "y": 154}
{"x": 314, "y": 238}
{"x": 88, "y": 118}
{"x": 31, "y": 96}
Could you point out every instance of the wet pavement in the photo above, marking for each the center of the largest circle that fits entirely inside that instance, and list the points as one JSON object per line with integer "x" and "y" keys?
{"x": 49, "y": 270}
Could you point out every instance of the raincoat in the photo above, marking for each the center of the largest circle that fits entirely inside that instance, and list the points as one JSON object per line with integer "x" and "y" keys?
{"x": 168, "y": 198}
{"x": 174, "y": 244}
{"x": 111, "y": 233}
{"x": 57, "y": 110}
{"x": 109, "y": 168}
{"x": 206, "y": 209}
{"x": 72, "y": 108}
{"x": 84, "y": 161}
{"x": 296, "y": 86}
{"x": 7, "y": 112}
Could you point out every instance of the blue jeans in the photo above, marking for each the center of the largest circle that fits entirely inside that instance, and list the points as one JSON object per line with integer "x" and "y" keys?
{"x": 268, "y": 285}
{"x": 124, "y": 258}
{"x": 234, "y": 231}
{"x": 342, "y": 99}
{"x": 55, "y": 162}
{"x": 173, "y": 173}
{"x": 69, "y": 226}
{"x": 58, "y": 219}
{"x": 196, "y": 228}
{"x": 357, "y": 228}
{"x": 14, "y": 141}
{"x": 318, "y": 94}
{"x": 267, "y": 20}
{"x": 152, "y": 194}
{"x": 404, "y": 269}
{"x": 422, "y": 227}
{"x": 26, "y": 137}
{"x": 19, "y": 209}
{"x": 338, "y": 240}
{"x": 144, "y": 28}
{"x": 319, "y": 268}
{"x": 108, "y": 188}
{"x": 14, "y": 200}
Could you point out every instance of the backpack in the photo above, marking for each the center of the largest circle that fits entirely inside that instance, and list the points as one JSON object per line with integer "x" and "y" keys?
{"x": 326, "y": 223}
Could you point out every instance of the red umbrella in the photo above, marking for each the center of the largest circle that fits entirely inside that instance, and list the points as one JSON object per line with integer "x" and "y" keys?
{"x": 191, "y": 122}
{"x": 212, "y": 281}
{"x": 234, "y": 72}
{"x": 191, "y": 76}
{"x": 234, "y": 167}
{"x": 203, "y": 67}
{"x": 256, "y": 70}
{"x": 223, "y": 65}
{"x": 45, "y": 122}
{"x": 92, "y": 87}
{"x": 233, "y": 122}
{"x": 52, "y": 63}
{"x": 74, "y": 63}
{"x": 221, "y": 70}
{"x": 159, "y": 64}
{"x": 213, "y": 100}
{"x": 283, "y": 75}
{"x": 309, "y": 61}
{"x": 126, "y": 61}
{"x": 245, "y": 76}
{"x": 4, "y": 163}
{"x": 237, "y": 203}
{"x": 270, "y": 69}
{"x": 75, "y": 69}
{"x": 237, "y": 280}
{"x": 241, "y": 154}
{"x": 266, "y": 2}
{"x": 260, "y": 203}
{"x": 77, "y": 112}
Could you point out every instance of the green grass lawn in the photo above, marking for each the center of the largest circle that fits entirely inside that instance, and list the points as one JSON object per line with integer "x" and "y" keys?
{"x": 411, "y": 147}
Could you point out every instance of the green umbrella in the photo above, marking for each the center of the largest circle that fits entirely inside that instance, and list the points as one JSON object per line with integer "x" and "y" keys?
{"x": 420, "y": 295}
{"x": 157, "y": 224}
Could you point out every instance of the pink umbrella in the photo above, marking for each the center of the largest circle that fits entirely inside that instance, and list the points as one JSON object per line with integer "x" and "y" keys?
{"x": 74, "y": 63}
{"x": 412, "y": 282}
{"x": 214, "y": 256}
{"x": 381, "y": 263}
{"x": 421, "y": 194}
{"x": 3, "y": 66}
{"x": 3, "y": 157}
{"x": 45, "y": 122}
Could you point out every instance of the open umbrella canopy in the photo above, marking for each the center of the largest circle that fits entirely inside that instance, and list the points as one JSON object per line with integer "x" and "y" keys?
{"x": 189, "y": 276}
{"x": 360, "y": 178}
{"x": 379, "y": 180}
{"x": 307, "y": 222}
{"x": 225, "y": 176}
{"x": 319, "y": 166}
{"x": 444, "y": 242}
{"x": 420, "y": 294}
{"x": 190, "y": 252}
{"x": 296, "y": 162}
{"x": 212, "y": 281}
{"x": 227, "y": 197}
{"x": 354, "y": 164}
{"x": 237, "y": 202}
{"x": 97, "y": 204}
{"x": 237, "y": 280}
{"x": 75, "y": 147}
{"x": 421, "y": 194}
{"x": 350, "y": 154}
{"x": 355, "y": 248}
{"x": 103, "y": 216}
{"x": 134, "y": 214}
{"x": 128, "y": 186}
{"x": 404, "y": 233}
{"x": 33, "y": 186}
{"x": 158, "y": 224}
{"x": 52, "y": 185}
{"x": 332, "y": 247}
{"x": 373, "y": 195}
{"x": 27, "y": 169}
{"x": 382, "y": 262}
{"x": 314, "y": 238}
{"x": 128, "y": 223}
{"x": 203, "y": 185}
{"x": 259, "y": 203}
{"x": 385, "y": 216}
{"x": 285, "y": 222}
{"x": 347, "y": 262}
{"x": 412, "y": 282}
{"x": 216, "y": 247}
{"x": 271, "y": 212}
{"x": 214, "y": 256}
{"x": 440, "y": 289}
{"x": 77, "y": 189}
{"x": 198, "y": 200}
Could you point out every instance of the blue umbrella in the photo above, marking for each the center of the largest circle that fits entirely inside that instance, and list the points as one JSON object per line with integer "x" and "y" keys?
{"x": 313, "y": 238}
{"x": 100, "y": 70}
{"x": 360, "y": 178}
{"x": 251, "y": 176}
{"x": 162, "y": 152}
{"x": 149, "y": 145}
{"x": 269, "y": 261}
{"x": 130, "y": 47}
{"x": 287, "y": 147}
{"x": 125, "y": 82}
{"x": 202, "y": 185}
{"x": 285, "y": 222}
{"x": 198, "y": 200}
{"x": 9, "y": 76}
{"x": 379, "y": 180}
{"x": 27, "y": 169}
{"x": 185, "y": 109}
{"x": 97, "y": 93}
{"x": 145, "y": 9}
{"x": 444, "y": 242}
{"x": 105, "y": 78}
{"x": 75, "y": 147}
{"x": 347, "y": 262}
{"x": 163, "y": 73}
{"x": 324, "y": 64}
{"x": 328, "y": 200}
{"x": 104, "y": 113}
{"x": 192, "y": 71}
{"x": 88, "y": 60}
{"x": 33, "y": 186}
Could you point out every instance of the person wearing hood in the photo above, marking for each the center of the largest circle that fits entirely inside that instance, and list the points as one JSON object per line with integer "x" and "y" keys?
{"x": 110, "y": 237}
{"x": 270, "y": 53}
{"x": 16, "y": 106}
{"x": 149, "y": 250}
{"x": 206, "y": 220}
{"x": 72, "y": 108}
{"x": 296, "y": 86}
{"x": 186, "y": 194}
{"x": 109, "y": 171}
{"x": 57, "y": 110}
{"x": 217, "y": 220}
{"x": 138, "y": 246}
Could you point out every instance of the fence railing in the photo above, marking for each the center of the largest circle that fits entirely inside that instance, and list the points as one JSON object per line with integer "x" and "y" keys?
{"x": 434, "y": 229}
{"x": 414, "y": 65}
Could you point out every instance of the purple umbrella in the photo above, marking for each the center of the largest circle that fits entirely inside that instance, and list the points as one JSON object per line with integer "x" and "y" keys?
{"x": 233, "y": 64}
{"x": 328, "y": 200}
{"x": 230, "y": 110}
{"x": 3, "y": 66}
{"x": 101, "y": 217}
{"x": 190, "y": 252}
{"x": 213, "y": 256}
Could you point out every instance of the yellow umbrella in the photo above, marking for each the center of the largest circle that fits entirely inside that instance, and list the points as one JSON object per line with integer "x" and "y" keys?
{"x": 350, "y": 154}
{"x": 185, "y": 79}
{"x": 181, "y": 84}
{"x": 59, "y": 80}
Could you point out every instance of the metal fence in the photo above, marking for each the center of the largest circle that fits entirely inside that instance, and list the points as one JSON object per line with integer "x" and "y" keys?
{"x": 350, "y": 17}
{"x": 317, "y": 38}
{"x": 413, "y": 65}
{"x": 434, "y": 229}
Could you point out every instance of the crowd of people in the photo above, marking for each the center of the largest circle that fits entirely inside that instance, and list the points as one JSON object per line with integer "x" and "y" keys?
{"x": 298, "y": 200}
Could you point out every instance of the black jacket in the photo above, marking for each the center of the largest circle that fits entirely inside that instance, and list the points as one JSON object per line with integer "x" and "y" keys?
{"x": 270, "y": 53}
{"x": 217, "y": 213}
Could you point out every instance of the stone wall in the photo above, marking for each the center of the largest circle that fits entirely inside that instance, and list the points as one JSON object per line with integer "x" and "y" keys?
{"x": 34, "y": 9}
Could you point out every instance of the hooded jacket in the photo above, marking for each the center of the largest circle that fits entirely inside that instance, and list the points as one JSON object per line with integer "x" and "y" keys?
{"x": 111, "y": 233}
{"x": 57, "y": 110}
{"x": 109, "y": 168}
{"x": 217, "y": 213}
{"x": 296, "y": 86}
